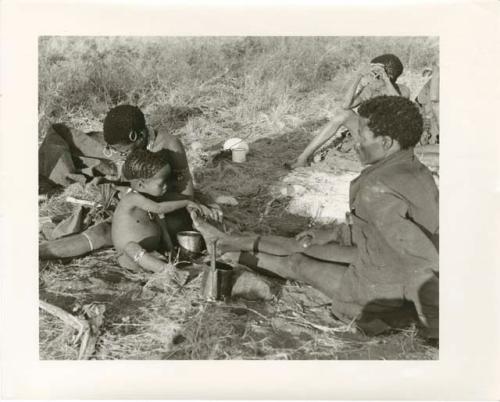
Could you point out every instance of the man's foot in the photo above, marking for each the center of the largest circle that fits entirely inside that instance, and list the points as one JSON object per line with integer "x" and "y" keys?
{"x": 210, "y": 234}
{"x": 298, "y": 163}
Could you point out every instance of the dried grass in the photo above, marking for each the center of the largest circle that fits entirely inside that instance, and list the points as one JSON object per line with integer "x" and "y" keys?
{"x": 242, "y": 94}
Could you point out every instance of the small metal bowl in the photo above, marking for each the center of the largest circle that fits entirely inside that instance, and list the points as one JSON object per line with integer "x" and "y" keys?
{"x": 190, "y": 240}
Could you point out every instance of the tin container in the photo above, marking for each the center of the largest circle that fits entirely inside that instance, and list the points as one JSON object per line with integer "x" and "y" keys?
{"x": 190, "y": 241}
{"x": 217, "y": 283}
{"x": 239, "y": 155}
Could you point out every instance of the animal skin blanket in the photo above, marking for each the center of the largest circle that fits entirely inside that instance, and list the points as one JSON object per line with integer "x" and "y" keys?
{"x": 67, "y": 155}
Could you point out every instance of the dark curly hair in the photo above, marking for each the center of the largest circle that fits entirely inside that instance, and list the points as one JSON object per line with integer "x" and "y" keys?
{"x": 120, "y": 122}
{"x": 392, "y": 65}
{"x": 144, "y": 164}
{"x": 395, "y": 117}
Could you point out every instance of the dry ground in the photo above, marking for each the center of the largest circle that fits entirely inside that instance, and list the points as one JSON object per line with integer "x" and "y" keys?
{"x": 149, "y": 317}
{"x": 275, "y": 93}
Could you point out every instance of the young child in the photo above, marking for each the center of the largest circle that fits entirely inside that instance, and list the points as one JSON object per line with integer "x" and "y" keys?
{"x": 138, "y": 232}
{"x": 378, "y": 78}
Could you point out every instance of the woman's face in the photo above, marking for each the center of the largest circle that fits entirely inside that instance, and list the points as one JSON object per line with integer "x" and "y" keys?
{"x": 121, "y": 150}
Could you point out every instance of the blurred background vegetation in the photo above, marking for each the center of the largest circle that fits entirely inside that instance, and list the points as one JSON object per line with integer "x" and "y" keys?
{"x": 80, "y": 78}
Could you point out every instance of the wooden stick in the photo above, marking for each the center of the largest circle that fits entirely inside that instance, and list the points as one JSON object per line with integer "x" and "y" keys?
{"x": 87, "y": 330}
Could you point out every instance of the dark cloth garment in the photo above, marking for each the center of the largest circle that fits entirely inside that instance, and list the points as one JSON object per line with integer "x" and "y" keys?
{"x": 395, "y": 227}
{"x": 67, "y": 155}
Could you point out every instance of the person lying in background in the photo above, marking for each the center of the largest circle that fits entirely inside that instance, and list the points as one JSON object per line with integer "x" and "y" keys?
{"x": 384, "y": 265}
{"x": 139, "y": 229}
{"x": 124, "y": 130}
{"x": 376, "y": 79}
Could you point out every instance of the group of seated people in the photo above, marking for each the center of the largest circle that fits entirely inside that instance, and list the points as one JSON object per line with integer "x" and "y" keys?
{"x": 383, "y": 259}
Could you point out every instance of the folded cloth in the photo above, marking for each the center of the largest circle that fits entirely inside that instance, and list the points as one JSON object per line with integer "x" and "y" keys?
{"x": 71, "y": 225}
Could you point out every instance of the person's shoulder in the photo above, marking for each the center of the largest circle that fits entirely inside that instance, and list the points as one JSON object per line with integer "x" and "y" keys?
{"x": 166, "y": 140}
{"x": 405, "y": 174}
{"x": 130, "y": 199}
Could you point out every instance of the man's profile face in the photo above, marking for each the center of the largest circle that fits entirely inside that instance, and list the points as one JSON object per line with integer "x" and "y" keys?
{"x": 370, "y": 148}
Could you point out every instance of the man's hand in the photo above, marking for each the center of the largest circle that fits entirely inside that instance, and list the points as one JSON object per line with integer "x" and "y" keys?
{"x": 365, "y": 69}
{"x": 378, "y": 71}
{"x": 216, "y": 212}
{"x": 313, "y": 237}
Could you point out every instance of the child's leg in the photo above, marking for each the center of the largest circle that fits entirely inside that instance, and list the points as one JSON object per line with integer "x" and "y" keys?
{"x": 93, "y": 238}
{"x": 126, "y": 262}
{"x": 146, "y": 260}
{"x": 341, "y": 118}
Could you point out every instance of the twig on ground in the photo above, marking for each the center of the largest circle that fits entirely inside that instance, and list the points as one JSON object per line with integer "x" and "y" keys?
{"x": 87, "y": 329}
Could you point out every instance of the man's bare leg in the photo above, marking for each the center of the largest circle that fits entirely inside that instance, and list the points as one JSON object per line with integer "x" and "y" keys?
{"x": 324, "y": 276}
{"x": 273, "y": 245}
{"x": 93, "y": 238}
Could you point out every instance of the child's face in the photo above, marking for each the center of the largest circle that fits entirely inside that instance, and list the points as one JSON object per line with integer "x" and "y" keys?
{"x": 370, "y": 148}
{"x": 156, "y": 185}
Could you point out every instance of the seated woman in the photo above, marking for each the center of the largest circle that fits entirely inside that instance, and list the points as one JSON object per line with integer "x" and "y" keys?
{"x": 388, "y": 257}
{"x": 124, "y": 130}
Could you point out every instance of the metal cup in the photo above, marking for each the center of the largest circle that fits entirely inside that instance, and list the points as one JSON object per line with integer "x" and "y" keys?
{"x": 191, "y": 242}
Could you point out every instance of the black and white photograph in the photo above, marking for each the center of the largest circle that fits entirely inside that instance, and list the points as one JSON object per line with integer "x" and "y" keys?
{"x": 238, "y": 198}
{"x": 233, "y": 200}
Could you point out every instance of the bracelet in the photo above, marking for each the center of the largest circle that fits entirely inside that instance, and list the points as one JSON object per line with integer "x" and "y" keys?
{"x": 89, "y": 240}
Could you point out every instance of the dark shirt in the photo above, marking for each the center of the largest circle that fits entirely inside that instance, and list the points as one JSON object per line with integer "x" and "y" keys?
{"x": 394, "y": 206}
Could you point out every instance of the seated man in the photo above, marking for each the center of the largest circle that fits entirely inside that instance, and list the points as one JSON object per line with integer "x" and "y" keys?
{"x": 387, "y": 258}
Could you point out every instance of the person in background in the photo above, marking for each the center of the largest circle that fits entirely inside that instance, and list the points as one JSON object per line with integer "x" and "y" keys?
{"x": 376, "y": 79}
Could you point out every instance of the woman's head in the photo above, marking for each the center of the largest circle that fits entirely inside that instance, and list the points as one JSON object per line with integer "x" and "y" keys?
{"x": 125, "y": 126}
{"x": 392, "y": 65}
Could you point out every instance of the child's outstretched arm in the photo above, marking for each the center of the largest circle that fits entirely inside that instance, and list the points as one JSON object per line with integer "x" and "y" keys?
{"x": 164, "y": 207}
{"x": 139, "y": 201}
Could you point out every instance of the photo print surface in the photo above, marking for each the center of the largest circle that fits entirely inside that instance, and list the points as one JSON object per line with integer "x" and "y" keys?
{"x": 238, "y": 198}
